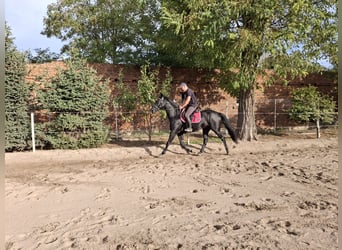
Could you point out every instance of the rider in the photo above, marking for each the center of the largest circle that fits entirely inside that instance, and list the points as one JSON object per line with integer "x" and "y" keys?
{"x": 189, "y": 102}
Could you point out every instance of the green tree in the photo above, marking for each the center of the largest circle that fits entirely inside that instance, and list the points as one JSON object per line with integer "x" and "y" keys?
{"x": 112, "y": 31}
{"x": 17, "y": 119}
{"x": 42, "y": 56}
{"x": 124, "y": 102}
{"x": 125, "y": 99}
{"x": 236, "y": 37}
{"x": 309, "y": 105}
{"x": 77, "y": 100}
{"x": 148, "y": 88}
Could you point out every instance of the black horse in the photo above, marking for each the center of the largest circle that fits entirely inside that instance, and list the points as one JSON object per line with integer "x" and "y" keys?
{"x": 210, "y": 120}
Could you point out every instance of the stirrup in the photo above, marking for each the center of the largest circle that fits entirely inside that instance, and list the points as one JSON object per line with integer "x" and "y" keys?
{"x": 188, "y": 130}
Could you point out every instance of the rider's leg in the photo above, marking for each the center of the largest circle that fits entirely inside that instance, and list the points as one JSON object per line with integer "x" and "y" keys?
{"x": 187, "y": 115}
{"x": 188, "y": 124}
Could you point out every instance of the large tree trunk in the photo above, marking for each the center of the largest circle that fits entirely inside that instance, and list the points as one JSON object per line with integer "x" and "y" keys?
{"x": 246, "y": 127}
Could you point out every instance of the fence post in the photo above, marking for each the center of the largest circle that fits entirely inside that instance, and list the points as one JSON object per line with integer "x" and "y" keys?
{"x": 32, "y": 133}
{"x": 116, "y": 127}
{"x": 275, "y": 115}
{"x": 227, "y": 107}
{"x": 116, "y": 107}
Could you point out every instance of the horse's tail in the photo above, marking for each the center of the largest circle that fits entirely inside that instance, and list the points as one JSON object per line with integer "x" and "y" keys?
{"x": 229, "y": 128}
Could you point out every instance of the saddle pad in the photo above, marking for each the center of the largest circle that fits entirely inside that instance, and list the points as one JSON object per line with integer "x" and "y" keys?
{"x": 195, "y": 117}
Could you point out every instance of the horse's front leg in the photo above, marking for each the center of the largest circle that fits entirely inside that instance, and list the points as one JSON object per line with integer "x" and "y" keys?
{"x": 181, "y": 141}
{"x": 205, "y": 139}
{"x": 171, "y": 137}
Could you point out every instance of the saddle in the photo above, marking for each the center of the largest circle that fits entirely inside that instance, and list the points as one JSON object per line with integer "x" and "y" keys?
{"x": 195, "y": 117}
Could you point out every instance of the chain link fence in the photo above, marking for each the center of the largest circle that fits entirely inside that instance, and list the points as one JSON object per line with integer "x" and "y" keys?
{"x": 271, "y": 115}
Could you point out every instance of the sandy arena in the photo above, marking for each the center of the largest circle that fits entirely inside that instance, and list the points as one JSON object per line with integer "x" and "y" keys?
{"x": 275, "y": 193}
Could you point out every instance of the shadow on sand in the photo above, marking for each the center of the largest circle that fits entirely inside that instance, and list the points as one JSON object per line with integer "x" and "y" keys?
{"x": 158, "y": 143}
{"x": 142, "y": 143}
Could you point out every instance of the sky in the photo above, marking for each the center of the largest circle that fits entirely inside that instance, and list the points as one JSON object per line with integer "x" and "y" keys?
{"x": 25, "y": 18}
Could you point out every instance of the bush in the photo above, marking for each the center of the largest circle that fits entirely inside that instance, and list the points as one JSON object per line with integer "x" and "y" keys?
{"x": 309, "y": 105}
{"x": 78, "y": 98}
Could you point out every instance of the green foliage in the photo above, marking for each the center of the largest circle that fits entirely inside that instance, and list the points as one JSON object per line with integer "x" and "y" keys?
{"x": 42, "y": 56}
{"x": 239, "y": 35}
{"x": 125, "y": 100}
{"x": 227, "y": 34}
{"x": 113, "y": 31}
{"x": 149, "y": 87}
{"x": 17, "y": 119}
{"x": 165, "y": 86}
{"x": 77, "y": 98}
{"x": 308, "y": 104}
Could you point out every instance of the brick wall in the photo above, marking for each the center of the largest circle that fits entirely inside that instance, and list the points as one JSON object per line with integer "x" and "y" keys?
{"x": 275, "y": 97}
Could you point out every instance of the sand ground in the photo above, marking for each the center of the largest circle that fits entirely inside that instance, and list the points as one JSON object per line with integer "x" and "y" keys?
{"x": 274, "y": 193}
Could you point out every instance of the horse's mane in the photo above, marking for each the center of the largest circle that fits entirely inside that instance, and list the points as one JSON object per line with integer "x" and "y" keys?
{"x": 174, "y": 104}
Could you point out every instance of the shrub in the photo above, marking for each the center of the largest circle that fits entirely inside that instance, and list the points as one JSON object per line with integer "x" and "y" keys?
{"x": 78, "y": 98}
{"x": 309, "y": 105}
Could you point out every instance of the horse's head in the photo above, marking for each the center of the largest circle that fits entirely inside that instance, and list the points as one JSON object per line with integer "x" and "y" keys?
{"x": 159, "y": 103}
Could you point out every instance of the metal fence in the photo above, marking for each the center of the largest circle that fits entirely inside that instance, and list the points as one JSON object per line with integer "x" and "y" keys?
{"x": 271, "y": 115}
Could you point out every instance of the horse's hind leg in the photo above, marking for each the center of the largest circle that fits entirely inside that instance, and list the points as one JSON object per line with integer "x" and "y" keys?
{"x": 218, "y": 133}
{"x": 205, "y": 139}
